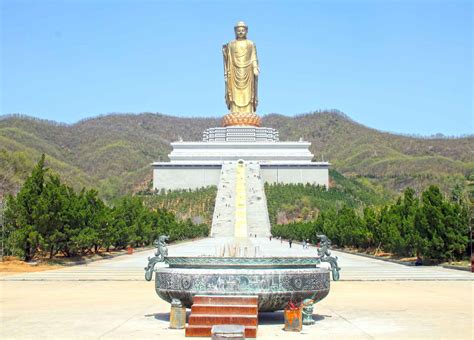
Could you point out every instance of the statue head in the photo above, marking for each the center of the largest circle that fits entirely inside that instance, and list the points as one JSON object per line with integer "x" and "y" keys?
{"x": 241, "y": 30}
{"x": 164, "y": 238}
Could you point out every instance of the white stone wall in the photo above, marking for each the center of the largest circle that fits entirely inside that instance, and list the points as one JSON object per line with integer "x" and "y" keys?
{"x": 193, "y": 177}
{"x": 296, "y": 175}
{"x": 174, "y": 178}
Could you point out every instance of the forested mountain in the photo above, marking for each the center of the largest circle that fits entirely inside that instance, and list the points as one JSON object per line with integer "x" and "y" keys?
{"x": 113, "y": 153}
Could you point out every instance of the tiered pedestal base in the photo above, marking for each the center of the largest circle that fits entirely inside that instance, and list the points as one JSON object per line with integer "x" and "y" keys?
{"x": 239, "y": 119}
{"x": 240, "y": 134}
{"x": 210, "y": 310}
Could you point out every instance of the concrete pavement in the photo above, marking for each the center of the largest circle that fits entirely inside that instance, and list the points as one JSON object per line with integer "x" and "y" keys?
{"x": 110, "y": 299}
{"x": 130, "y": 309}
{"x": 354, "y": 268}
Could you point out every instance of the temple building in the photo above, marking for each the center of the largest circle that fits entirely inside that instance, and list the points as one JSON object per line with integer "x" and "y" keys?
{"x": 194, "y": 165}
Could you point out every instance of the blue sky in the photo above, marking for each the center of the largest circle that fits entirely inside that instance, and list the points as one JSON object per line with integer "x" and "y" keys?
{"x": 400, "y": 66}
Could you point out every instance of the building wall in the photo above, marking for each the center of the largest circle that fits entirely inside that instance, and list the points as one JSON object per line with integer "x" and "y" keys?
{"x": 170, "y": 178}
{"x": 295, "y": 175}
{"x": 194, "y": 177}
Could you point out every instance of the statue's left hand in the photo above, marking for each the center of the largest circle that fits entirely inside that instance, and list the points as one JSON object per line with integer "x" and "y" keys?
{"x": 255, "y": 72}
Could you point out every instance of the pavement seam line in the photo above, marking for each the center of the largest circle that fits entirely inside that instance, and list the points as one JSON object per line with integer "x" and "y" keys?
{"x": 343, "y": 318}
{"x": 118, "y": 326}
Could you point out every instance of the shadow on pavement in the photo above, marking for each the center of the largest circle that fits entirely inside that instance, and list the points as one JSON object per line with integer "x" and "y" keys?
{"x": 275, "y": 318}
{"x": 264, "y": 318}
{"x": 159, "y": 316}
{"x": 165, "y": 316}
{"x": 271, "y": 318}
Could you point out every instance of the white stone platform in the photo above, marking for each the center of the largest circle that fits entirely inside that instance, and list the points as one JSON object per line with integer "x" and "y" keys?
{"x": 240, "y": 134}
{"x": 263, "y": 152}
{"x": 195, "y": 175}
{"x": 194, "y": 165}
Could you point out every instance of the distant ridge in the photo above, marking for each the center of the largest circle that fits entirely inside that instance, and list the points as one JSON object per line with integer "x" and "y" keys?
{"x": 269, "y": 115}
{"x": 113, "y": 152}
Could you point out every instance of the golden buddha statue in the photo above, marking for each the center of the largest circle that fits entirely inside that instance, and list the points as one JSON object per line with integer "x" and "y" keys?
{"x": 241, "y": 79}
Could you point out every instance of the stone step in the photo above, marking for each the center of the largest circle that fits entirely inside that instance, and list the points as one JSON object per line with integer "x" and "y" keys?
{"x": 223, "y": 216}
{"x": 220, "y": 319}
{"x": 205, "y": 331}
{"x": 224, "y": 309}
{"x": 225, "y": 300}
{"x": 257, "y": 211}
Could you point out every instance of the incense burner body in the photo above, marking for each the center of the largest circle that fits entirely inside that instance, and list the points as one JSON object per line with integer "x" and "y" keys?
{"x": 276, "y": 280}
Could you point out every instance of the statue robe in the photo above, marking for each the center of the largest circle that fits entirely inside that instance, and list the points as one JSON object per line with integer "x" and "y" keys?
{"x": 240, "y": 59}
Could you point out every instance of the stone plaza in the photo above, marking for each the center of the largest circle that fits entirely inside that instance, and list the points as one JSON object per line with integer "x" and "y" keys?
{"x": 111, "y": 299}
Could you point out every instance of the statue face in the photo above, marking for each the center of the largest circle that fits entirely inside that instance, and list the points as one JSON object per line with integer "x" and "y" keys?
{"x": 241, "y": 32}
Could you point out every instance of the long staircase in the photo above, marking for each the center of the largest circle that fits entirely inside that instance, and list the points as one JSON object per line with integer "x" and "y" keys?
{"x": 241, "y": 204}
{"x": 240, "y": 225}
{"x": 223, "y": 219}
{"x": 258, "y": 222}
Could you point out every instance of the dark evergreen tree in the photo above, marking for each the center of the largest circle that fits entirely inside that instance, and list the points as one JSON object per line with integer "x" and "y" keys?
{"x": 23, "y": 237}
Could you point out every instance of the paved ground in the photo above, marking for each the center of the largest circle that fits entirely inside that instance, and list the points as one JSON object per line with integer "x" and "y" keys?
{"x": 110, "y": 299}
{"x": 354, "y": 268}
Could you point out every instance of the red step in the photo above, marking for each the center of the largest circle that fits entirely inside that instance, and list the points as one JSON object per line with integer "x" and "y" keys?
{"x": 224, "y": 309}
{"x": 216, "y": 319}
{"x": 225, "y": 300}
{"x": 205, "y": 331}
{"x": 210, "y": 310}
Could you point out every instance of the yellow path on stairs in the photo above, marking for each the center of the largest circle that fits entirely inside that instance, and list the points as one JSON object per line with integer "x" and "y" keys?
{"x": 240, "y": 228}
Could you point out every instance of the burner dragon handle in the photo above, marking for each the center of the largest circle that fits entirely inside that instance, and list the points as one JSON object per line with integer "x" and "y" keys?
{"x": 324, "y": 253}
{"x": 160, "y": 253}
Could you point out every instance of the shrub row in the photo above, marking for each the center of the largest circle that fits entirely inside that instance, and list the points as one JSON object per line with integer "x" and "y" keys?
{"x": 431, "y": 226}
{"x": 49, "y": 217}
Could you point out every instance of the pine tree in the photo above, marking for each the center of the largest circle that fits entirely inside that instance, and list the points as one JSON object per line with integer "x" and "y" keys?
{"x": 23, "y": 237}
